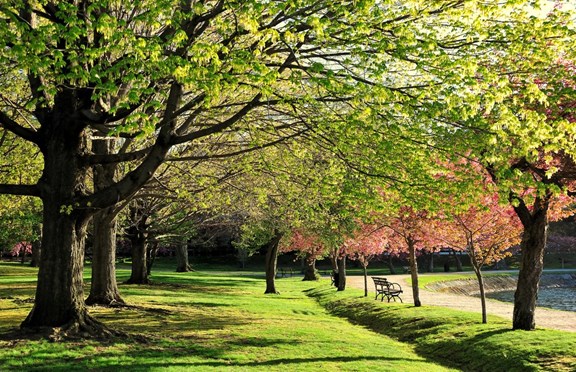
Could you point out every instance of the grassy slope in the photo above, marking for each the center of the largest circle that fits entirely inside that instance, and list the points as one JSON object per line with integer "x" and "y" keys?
{"x": 205, "y": 321}
{"x": 208, "y": 321}
{"x": 456, "y": 338}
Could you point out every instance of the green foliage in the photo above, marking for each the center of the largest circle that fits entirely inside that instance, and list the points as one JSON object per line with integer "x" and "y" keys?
{"x": 20, "y": 219}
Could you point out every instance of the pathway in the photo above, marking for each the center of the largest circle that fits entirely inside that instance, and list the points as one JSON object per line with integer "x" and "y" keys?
{"x": 545, "y": 318}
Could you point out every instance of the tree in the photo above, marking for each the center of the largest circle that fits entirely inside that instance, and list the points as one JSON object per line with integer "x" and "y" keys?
{"x": 310, "y": 247}
{"x": 412, "y": 231}
{"x": 485, "y": 231}
{"x": 176, "y": 72}
{"x": 366, "y": 243}
{"x": 103, "y": 285}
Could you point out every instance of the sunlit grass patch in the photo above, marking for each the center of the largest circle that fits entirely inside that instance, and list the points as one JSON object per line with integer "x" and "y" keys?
{"x": 202, "y": 320}
{"x": 456, "y": 338}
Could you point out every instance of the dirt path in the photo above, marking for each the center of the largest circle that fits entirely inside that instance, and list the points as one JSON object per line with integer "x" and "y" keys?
{"x": 545, "y": 318}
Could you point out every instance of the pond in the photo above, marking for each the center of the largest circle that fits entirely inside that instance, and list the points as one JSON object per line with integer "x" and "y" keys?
{"x": 555, "y": 298}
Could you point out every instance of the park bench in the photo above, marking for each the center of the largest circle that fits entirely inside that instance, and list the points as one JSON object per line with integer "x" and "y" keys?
{"x": 285, "y": 271}
{"x": 386, "y": 288}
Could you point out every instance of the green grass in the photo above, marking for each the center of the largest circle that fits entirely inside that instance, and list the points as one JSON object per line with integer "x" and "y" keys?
{"x": 456, "y": 338}
{"x": 209, "y": 320}
{"x": 204, "y": 321}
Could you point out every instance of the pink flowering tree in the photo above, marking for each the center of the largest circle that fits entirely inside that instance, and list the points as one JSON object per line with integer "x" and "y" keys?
{"x": 366, "y": 242}
{"x": 411, "y": 231}
{"x": 485, "y": 232}
{"x": 308, "y": 246}
{"x": 21, "y": 249}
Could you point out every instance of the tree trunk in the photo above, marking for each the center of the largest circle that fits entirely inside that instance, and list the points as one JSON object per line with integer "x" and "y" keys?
{"x": 139, "y": 274}
{"x": 36, "y": 253}
{"x": 365, "y": 267}
{"x": 151, "y": 253}
{"x": 271, "y": 262}
{"x": 458, "y": 261}
{"x": 310, "y": 272}
{"x": 431, "y": 263}
{"x": 59, "y": 299}
{"x": 342, "y": 273}
{"x": 391, "y": 265}
{"x": 531, "y": 265}
{"x": 137, "y": 233}
{"x": 414, "y": 271}
{"x": 480, "y": 278}
{"x": 182, "y": 259}
{"x": 104, "y": 288}
{"x": 334, "y": 260}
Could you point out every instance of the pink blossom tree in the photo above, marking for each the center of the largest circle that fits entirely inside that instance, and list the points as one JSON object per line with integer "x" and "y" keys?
{"x": 485, "y": 232}
{"x": 366, "y": 242}
{"x": 411, "y": 231}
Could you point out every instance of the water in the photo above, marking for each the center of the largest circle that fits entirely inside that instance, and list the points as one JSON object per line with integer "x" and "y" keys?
{"x": 555, "y": 298}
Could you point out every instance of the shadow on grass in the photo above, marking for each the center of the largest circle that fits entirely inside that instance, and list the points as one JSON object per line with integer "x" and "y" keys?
{"x": 209, "y": 358}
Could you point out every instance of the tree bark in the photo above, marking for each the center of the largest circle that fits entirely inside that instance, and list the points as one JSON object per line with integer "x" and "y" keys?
{"x": 151, "y": 253}
{"x": 532, "y": 263}
{"x": 341, "y": 273}
{"x": 36, "y": 253}
{"x": 137, "y": 233}
{"x": 59, "y": 299}
{"x": 310, "y": 272}
{"x": 391, "y": 265}
{"x": 271, "y": 262}
{"x": 431, "y": 262}
{"x": 458, "y": 261}
{"x": 365, "y": 267}
{"x": 480, "y": 278}
{"x": 103, "y": 287}
{"x": 139, "y": 273}
{"x": 413, "y": 271}
{"x": 182, "y": 259}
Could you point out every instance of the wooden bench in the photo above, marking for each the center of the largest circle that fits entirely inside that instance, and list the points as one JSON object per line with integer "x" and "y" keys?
{"x": 285, "y": 271}
{"x": 386, "y": 288}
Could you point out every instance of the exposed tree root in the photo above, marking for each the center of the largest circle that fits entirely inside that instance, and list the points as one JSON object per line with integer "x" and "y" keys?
{"x": 105, "y": 300}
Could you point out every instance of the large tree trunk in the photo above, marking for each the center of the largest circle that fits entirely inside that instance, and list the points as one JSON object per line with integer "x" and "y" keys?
{"x": 103, "y": 287}
{"x": 342, "y": 273}
{"x": 271, "y": 263}
{"x": 182, "y": 259}
{"x": 59, "y": 299}
{"x": 310, "y": 272}
{"x": 532, "y": 248}
{"x": 414, "y": 271}
{"x": 139, "y": 273}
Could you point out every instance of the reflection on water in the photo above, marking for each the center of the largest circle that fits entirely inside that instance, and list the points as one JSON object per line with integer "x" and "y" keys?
{"x": 555, "y": 298}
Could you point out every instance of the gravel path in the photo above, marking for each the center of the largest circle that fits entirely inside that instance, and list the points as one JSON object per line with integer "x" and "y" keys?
{"x": 545, "y": 318}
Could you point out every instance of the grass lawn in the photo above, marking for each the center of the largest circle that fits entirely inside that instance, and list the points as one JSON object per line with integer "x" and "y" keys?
{"x": 209, "y": 320}
{"x": 205, "y": 321}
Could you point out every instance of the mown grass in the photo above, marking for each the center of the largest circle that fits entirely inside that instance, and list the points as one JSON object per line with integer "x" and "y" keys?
{"x": 456, "y": 338}
{"x": 204, "y": 321}
{"x": 214, "y": 321}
